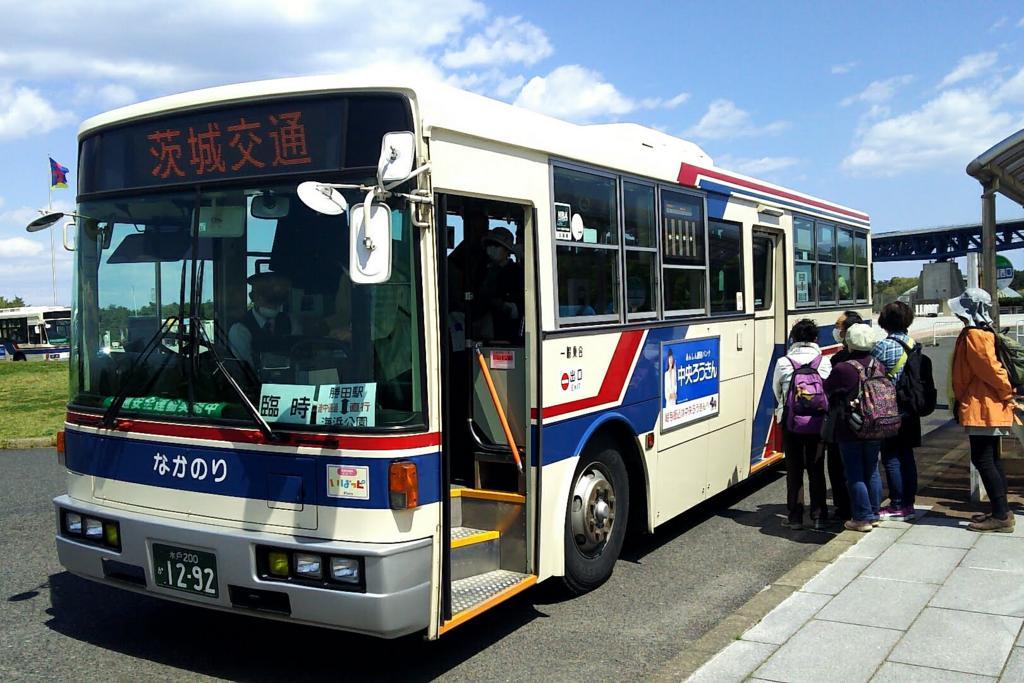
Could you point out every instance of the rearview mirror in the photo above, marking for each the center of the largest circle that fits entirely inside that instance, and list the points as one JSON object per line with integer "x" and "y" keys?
{"x": 370, "y": 244}
{"x": 397, "y": 156}
{"x": 269, "y": 205}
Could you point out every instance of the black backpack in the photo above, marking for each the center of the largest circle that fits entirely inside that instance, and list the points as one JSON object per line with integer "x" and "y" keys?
{"x": 915, "y": 389}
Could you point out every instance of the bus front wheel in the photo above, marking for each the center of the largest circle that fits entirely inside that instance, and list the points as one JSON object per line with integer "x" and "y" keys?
{"x": 595, "y": 521}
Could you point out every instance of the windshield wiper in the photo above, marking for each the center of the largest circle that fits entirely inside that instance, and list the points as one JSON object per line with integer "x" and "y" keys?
{"x": 254, "y": 413}
{"x": 119, "y": 398}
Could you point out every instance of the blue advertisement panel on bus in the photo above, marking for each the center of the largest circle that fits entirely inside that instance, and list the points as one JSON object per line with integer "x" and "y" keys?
{"x": 690, "y": 372}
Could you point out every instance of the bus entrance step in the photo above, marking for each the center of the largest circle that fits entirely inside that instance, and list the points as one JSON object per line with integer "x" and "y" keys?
{"x": 475, "y": 591}
{"x": 474, "y": 551}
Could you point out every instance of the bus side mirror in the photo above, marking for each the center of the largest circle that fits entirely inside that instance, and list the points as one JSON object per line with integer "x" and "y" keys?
{"x": 69, "y": 236}
{"x": 397, "y": 155}
{"x": 370, "y": 243}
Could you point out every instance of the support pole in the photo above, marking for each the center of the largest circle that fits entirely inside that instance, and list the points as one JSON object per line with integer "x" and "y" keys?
{"x": 988, "y": 272}
{"x": 988, "y": 248}
{"x": 972, "y": 269}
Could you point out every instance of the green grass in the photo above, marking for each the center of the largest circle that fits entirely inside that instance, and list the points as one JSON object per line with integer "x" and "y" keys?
{"x": 33, "y": 396}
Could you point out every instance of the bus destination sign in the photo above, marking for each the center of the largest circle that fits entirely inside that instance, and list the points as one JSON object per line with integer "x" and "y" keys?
{"x": 280, "y": 137}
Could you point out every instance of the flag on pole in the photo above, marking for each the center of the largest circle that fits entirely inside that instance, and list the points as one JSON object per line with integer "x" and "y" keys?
{"x": 58, "y": 175}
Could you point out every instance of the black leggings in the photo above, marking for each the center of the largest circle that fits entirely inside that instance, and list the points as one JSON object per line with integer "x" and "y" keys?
{"x": 985, "y": 458}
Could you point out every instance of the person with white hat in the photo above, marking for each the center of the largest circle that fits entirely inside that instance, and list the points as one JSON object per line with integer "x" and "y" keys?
{"x": 983, "y": 402}
{"x": 860, "y": 456}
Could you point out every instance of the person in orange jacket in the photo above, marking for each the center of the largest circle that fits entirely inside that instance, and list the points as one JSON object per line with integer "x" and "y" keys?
{"x": 983, "y": 402}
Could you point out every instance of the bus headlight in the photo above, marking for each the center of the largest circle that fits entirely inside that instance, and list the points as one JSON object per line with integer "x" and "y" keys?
{"x": 93, "y": 528}
{"x": 73, "y": 523}
{"x": 345, "y": 569}
{"x": 308, "y": 566}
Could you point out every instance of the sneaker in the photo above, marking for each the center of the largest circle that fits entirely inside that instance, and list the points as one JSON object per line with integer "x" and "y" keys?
{"x": 857, "y": 525}
{"x": 821, "y": 524}
{"x": 908, "y": 514}
{"x": 889, "y": 513}
{"x": 793, "y": 525}
{"x": 993, "y": 524}
{"x": 981, "y": 516}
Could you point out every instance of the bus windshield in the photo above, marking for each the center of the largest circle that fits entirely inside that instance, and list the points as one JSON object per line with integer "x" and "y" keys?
{"x": 173, "y": 289}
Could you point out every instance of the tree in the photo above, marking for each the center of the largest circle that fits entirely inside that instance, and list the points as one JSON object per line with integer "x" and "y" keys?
{"x": 16, "y": 302}
{"x": 887, "y": 291}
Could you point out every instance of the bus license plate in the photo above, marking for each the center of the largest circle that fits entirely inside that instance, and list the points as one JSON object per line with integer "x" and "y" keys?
{"x": 184, "y": 569}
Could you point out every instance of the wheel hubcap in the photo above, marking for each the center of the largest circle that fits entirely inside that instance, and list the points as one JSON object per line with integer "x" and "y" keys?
{"x": 593, "y": 511}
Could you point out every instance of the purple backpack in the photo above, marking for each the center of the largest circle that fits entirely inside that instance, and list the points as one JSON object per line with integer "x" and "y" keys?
{"x": 874, "y": 413}
{"x": 806, "y": 402}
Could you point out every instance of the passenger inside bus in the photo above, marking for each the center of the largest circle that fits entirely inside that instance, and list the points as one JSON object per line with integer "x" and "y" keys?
{"x": 498, "y": 301}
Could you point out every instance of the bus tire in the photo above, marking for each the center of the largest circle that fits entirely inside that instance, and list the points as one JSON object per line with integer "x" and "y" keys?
{"x": 19, "y": 356}
{"x": 596, "y": 518}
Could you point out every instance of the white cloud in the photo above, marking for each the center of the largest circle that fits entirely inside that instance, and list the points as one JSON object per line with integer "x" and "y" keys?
{"x": 954, "y": 127}
{"x": 507, "y": 40}
{"x": 493, "y": 82}
{"x": 107, "y": 96}
{"x": 18, "y": 247}
{"x": 673, "y": 102}
{"x": 998, "y": 24}
{"x": 575, "y": 93}
{"x": 878, "y": 92}
{"x": 756, "y": 166}
{"x": 970, "y": 67}
{"x": 840, "y": 69}
{"x": 724, "y": 120}
{"x": 24, "y": 112}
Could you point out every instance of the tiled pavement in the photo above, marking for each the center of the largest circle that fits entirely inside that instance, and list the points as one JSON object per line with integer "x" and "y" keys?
{"x": 928, "y": 601}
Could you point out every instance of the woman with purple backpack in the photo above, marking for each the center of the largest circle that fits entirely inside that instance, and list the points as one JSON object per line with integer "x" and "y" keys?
{"x": 799, "y": 386}
{"x": 860, "y": 455}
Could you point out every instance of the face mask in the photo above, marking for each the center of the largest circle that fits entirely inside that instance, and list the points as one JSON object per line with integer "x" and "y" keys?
{"x": 837, "y": 335}
{"x": 269, "y": 311}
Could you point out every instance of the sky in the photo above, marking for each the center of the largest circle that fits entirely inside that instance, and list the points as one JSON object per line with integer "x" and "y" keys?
{"x": 877, "y": 106}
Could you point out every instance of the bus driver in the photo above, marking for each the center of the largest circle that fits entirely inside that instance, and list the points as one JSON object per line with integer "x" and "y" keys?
{"x": 265, "y": 326}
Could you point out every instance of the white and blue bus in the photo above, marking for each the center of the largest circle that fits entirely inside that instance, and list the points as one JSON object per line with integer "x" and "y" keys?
{"x": 390, "y": 353}
{"x": 35, "y": 333}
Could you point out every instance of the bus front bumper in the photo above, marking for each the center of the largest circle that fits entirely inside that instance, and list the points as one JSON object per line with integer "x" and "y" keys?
{"x": 395, "y": 601}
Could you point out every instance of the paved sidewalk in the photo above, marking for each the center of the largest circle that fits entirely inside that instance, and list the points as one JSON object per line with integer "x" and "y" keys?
{"x": 926, "y": 601}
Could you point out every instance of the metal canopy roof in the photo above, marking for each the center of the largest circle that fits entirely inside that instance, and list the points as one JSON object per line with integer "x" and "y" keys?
{"x": 1002, "y": 167}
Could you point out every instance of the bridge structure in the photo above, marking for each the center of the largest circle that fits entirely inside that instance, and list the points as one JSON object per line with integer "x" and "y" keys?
{"x": 943, "y": 243}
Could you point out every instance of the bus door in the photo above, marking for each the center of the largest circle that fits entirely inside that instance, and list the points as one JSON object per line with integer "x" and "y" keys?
{"x": 485, "y": 394}
{"x": 769, "y": 340}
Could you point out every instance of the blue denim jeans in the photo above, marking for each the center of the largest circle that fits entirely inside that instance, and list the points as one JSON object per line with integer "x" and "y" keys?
{"x": 860, "y": 461}
{"x": 900, "y": 473}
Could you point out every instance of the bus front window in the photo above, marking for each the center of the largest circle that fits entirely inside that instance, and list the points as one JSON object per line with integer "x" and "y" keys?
{"x": 173, "y": 288}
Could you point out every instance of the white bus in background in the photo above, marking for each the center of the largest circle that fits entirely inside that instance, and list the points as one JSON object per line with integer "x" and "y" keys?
{"x": 402, "y": 415}
{"x": 35, "y": 333}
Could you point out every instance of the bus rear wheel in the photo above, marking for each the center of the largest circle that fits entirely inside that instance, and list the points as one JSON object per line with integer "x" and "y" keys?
{"x": 19, "y": 356}
{"x": 596, "y": 518}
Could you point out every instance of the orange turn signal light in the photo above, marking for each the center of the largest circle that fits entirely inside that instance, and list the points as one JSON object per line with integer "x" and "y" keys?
{"x": 403, "y": 485}
{"x": 60, "y": 443}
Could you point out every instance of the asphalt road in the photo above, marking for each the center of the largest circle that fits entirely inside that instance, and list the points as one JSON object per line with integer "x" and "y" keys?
{"x": 667, "y": 590}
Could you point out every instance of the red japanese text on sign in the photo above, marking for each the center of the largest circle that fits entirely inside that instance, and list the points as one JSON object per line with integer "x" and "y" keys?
{"x": 289, "y": 139}
{"x": 206, "y": 149}
{"x": 166, "y": 152}
{"x": 245, "y": 147}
